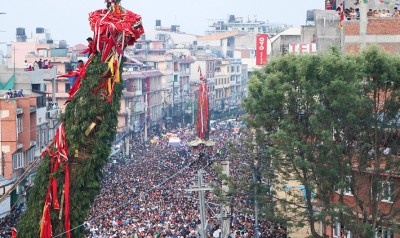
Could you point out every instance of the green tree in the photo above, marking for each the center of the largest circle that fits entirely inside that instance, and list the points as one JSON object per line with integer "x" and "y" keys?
{"x": 87, "y": 154}
{"x": 326, "y": 120}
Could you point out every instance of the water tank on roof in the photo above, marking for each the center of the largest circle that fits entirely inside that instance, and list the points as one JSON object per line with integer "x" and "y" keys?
{"x": 158, "y": 23}
{"x": 62, "y": 44}
{"x": 310, "y": 15}
{"x": 173, "y": 28}
{"x": 39, "y": 30}
{"x": 231, "y": 18}
{"x": 21, "y": 37}
{"x": 20, "y": 31}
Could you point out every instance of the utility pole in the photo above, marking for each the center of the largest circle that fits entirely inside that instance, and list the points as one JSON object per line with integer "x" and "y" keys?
{"x": 201, "y": 188}
{"x": 53, "y": 90}
{"x": 173, "y": 98}
{"x": 145, "y": 117}
{"x": 194, "y": 97}
{"x": 225, "y": 208}
{"x": 128, "y": 134}
{"x": 182, "y": 105}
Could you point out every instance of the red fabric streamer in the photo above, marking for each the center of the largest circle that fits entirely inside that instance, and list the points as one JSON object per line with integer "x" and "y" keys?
{"x": 45, "y": 224}
{"x": 202, "y": 115}
{"x": 67, "y": 224}
{"x": 110, "y": 27}
{"x": 58, "y": 153}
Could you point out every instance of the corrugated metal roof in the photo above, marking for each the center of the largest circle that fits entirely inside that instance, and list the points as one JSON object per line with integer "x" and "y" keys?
{"x": 289, "y": 32}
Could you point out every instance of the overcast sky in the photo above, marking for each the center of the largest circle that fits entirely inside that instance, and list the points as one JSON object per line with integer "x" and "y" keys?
{"x": 67, "y": 20}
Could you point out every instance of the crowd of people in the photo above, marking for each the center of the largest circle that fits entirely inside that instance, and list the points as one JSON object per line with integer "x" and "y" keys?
{"x": 10, "y": 221}
{"x": 41, "y": 64}
{"x": 383, "y": 13}
{"x": 14, "y": 94}
{"x": 146, "y": 194}
{"x": 354, "y": 13}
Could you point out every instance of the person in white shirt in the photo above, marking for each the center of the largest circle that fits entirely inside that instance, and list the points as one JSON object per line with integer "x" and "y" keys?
{"x": 26, "y": 65}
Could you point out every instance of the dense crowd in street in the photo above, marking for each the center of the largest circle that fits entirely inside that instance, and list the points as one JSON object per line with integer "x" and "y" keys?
{"x": 145, "y": 195}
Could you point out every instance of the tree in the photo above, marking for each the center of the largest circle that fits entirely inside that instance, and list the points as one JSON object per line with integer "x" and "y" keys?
{"x": 321, "y": 117}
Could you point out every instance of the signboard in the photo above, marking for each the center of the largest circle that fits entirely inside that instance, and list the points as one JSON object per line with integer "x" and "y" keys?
{"x": 302, "y": 48}
{"x": 261, "y": 49}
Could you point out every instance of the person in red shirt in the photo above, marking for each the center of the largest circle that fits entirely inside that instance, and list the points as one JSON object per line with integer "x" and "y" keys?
{"x": 81, "y": 65}
{"x": 89, "y": 49}
{"x": 71, "y": 75}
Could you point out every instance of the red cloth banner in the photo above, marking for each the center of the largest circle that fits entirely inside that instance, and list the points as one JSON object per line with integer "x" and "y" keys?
{"x": 202, "y": 114}
{"x": 261, "y": 49}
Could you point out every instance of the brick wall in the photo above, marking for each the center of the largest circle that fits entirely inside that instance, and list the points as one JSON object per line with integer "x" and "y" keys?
{"x": 387, "y": 26}
{"x": 352, "y": 28}
{"x": 352, "y": 48}
{"x": 362, "y": 188}
{"x": 383, "y": 31}
{"x": 9, "y": 137}
{"x": 389, "y": 47}
{"x": 8, "y": 133}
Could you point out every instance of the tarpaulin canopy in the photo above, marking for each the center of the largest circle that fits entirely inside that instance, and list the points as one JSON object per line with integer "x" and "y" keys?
{"x": 174, "y": 141}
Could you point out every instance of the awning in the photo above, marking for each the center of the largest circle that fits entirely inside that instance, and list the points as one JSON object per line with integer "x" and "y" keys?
{"x": 197, "y": 142}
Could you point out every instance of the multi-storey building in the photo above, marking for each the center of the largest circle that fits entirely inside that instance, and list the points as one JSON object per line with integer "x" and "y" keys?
{"x": 222, "y": 84}
{"x": 142, "y": 105}
{"x": 18, "y": 134}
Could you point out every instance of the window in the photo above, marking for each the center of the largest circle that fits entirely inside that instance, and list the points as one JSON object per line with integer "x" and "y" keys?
{"x": 347, "y": 188}
{"x": 387, "y": 191}
{"x": 339, "y": 231}
{"x": 67, "y": 87}
{"x": 18, "y": 160}
{"x": 41, "y": 101}
{"x": 19, "y": 124}
{"x": 383, "y": 233}
{"x": 30, "y": 154}
{"x": 336, "y": 229}
{"x": 35, "y": 87}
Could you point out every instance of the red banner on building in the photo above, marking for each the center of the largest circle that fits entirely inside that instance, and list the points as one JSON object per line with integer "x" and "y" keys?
{"x": 261, "y": 49}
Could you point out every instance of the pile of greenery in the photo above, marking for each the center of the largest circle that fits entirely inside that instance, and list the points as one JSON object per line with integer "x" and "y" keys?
{"x": 87, "y": 154}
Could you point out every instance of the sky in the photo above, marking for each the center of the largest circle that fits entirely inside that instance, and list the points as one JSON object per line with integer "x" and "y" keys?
{"x": 68, "y": 20}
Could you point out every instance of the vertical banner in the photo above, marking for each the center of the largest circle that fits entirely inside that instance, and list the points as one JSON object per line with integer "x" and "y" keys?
{"x": 261, "y": 49}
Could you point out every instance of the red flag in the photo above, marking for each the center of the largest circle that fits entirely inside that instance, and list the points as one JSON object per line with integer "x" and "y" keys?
{"x": 202, "y": 114}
